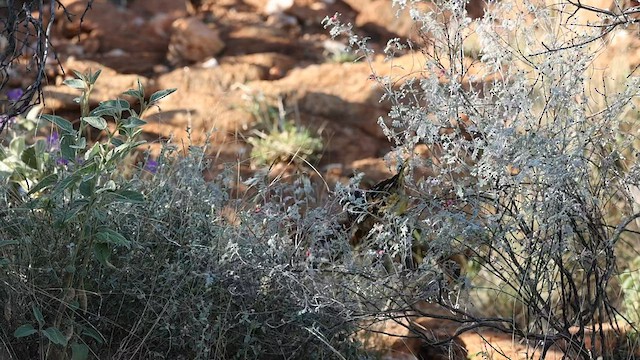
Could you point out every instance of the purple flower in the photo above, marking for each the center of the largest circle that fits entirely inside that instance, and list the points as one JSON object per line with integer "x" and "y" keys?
{"x": 53, "y": 141}
{"x": 151, "y": 166}
{"x": 53, "y": 145}
{"x": 62, "y": 161}
{"x": 14, "y": 94}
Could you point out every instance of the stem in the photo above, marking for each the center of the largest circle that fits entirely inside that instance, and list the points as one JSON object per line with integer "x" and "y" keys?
{"x": 84, "y": 108}
{"x": 69, "y": 277}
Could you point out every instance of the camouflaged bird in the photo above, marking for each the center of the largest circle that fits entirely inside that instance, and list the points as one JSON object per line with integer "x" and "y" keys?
{"x": 371, "y": 205}
{"x": 369, "y": 209}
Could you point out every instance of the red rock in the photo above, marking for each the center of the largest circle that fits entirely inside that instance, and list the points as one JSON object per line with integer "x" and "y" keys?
{"x": 192, "y": 41}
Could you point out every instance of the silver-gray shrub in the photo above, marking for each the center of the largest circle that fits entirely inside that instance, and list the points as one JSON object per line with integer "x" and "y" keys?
{"x": 206, "y": 276}
{"x": 214, "y": 277}
{"x": 537, "y": 187}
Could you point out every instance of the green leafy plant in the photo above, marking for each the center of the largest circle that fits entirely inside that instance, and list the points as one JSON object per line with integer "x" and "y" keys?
{"x": 22, "y": 165}
{"x": 76, "y": 199}
{"x": 54, "y": 336}
{"x": 83, "y": 189}
{"x": 23, "y": 162}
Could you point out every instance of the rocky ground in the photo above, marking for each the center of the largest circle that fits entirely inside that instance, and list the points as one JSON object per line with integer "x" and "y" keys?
{"x": 222, "y": 54}
{"x": 227, "y": 53}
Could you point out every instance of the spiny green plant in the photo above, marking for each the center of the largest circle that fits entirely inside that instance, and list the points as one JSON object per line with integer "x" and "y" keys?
{"x": 277, "y": 138}
{"x": 283, "y": 143}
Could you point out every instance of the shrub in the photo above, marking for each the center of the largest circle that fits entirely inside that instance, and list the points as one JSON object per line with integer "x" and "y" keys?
{"x": 61, "y": 228}
{"x": 529, "y": 173}
{"x": 230, "y": 281}
{"x": 161, "y": 264}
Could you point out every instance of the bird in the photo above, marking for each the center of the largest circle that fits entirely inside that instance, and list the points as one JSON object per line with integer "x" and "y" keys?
{"x": 369, "y": 208}
{"x": 371, "y": 205}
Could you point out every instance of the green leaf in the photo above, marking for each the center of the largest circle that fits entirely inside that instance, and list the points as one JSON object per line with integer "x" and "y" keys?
{"x": 41, "y": 147}
{"x": 95, "y": 121}
{"x": 111, "y": 108}
{"x": 132, "y": 92}
{"x": 92, "y": 152}
{"x": 137, "y": 93}
{"x": 129, "y": 196}
{"x": 65, "y": 183}
{"x": 79, "y": 351}
{"x": 17, "y": 145}
{"x": 24, "y": 331}
{"x": 75, "y": 84}
{"x": 94, "y": 77}
{"x": 133, "y": 122}
{"x": 140, "y": 87}
{"x": 103, "y": 253}
{"x": 93, "y": 333}
{"x": 80, "y": 75}
{"x": 67, "y": 149}
{"x": 55, "y": 336}
{"x": 89, "y": 168}
{"x": 116, "y": 141}
{"x": 138, "y": 143}
{"x": 62, "y": 123}
{"x": 6, "y": 170}
{"x": 38, "y": 315}
{"x": 29, "y": 157}
{"x": 44, "y": 183}
{"x": 80, "y": 144}
{"x": 109, "y": 186}
{"x": 74, "y": 209}
{"x": 118, "y": 151}
{"x": 108, "y": 236}
{"x": 87, "y": 187}
{"x": 118, "y": 104}
{"x": 158, "y": 95}
{"x": 68, "y": 182}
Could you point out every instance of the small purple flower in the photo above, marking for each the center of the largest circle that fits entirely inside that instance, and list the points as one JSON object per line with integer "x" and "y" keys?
{"x": 15, "y": 94}
{"x": 53, "y": 145}
{"x": 53, "y": 141}
{"x": 62, "y": 161}
{"x": 151, "y": 166}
